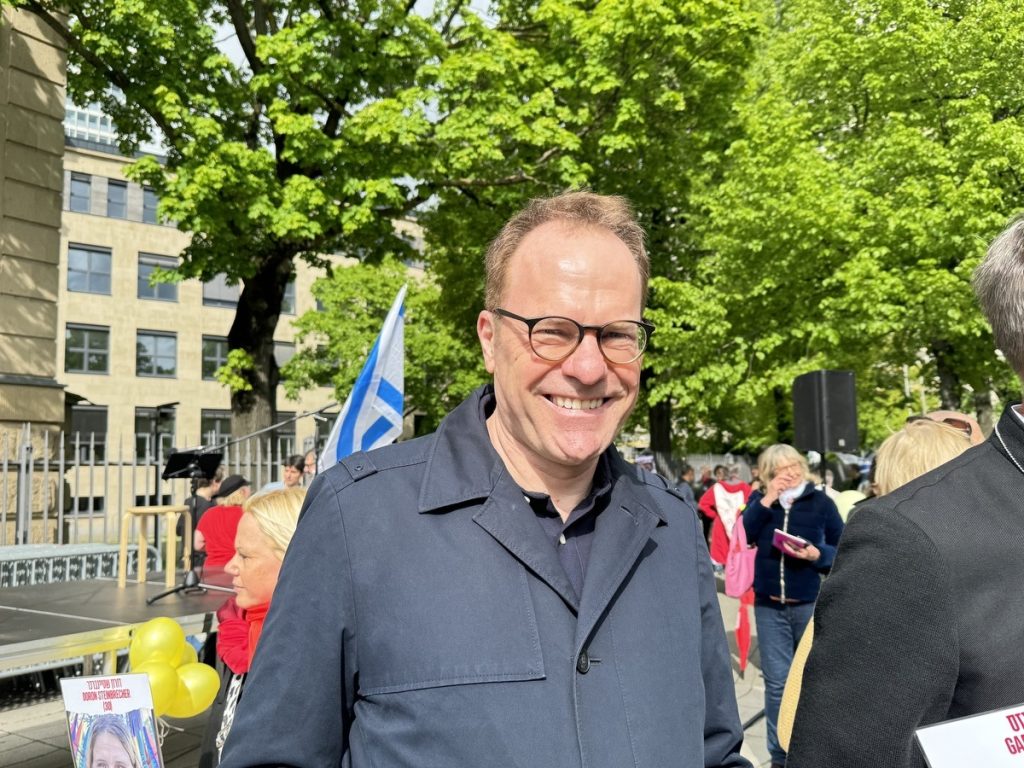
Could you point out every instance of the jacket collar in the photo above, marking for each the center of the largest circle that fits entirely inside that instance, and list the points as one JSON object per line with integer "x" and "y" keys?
{"x": 462, "y": 465}
{"x": 1011, "y": 430}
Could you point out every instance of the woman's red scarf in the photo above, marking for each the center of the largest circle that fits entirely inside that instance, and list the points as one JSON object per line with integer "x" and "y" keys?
{"x": 255, "y": 616}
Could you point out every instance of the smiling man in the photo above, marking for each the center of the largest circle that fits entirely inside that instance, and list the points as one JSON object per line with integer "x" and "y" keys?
{"x": 507, "y": 591}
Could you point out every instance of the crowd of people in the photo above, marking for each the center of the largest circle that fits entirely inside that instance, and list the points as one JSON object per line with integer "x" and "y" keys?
{"x": 509, "y": 591}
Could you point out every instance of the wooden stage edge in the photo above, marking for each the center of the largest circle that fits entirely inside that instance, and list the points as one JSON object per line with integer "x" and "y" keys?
{"x": 47, "y": 624}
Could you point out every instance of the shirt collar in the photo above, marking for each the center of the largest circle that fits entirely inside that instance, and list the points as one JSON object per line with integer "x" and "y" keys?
{"x": 600, "y": 488}
{"x": 463, "y": 466}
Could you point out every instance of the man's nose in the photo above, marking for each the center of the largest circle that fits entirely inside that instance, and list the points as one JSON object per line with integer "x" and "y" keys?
{"x": 586, "y": 364}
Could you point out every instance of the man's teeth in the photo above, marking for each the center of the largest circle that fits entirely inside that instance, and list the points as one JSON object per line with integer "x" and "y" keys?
{"x": 577, "y": 405}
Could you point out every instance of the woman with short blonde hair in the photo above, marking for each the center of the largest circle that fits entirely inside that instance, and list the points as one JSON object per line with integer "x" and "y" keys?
{"x": 796, "y": 530}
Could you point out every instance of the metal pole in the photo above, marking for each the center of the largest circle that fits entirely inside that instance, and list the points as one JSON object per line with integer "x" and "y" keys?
{"x": 23, "y": 516}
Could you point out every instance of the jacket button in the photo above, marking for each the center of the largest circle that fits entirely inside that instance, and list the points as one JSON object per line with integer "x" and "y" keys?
{"x": 583, "y": 663}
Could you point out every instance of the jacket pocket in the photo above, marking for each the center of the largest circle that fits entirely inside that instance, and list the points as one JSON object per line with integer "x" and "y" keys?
{"x": 459, "y": 632}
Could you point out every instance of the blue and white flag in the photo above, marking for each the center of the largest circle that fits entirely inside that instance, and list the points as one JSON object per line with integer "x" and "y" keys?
{"x": 372, "y": 414}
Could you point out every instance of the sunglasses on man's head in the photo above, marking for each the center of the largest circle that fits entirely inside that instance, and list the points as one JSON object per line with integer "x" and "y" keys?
{"x": 952, "y": 421}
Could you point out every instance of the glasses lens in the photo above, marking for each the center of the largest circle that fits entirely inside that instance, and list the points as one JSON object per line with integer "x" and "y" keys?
{"x": 623, "y": 341}
{"x": 554, "y": 337}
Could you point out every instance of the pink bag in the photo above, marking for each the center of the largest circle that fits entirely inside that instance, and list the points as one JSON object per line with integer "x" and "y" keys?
{"x": 739, "y": 563}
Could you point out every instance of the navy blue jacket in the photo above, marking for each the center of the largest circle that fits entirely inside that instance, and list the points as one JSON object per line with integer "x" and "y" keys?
{"x": 423, "y": 619}
{"x": 814, "y": 517}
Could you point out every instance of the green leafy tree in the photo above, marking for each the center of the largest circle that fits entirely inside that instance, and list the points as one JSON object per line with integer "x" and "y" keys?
{"x": 335, "y": 120}
{"x": 882, "y": 152}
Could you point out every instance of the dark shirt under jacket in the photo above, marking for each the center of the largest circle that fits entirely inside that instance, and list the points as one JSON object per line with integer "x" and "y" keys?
{"x": 572, "y": 539}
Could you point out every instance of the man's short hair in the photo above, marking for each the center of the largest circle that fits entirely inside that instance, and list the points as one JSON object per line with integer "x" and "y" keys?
{"x": 584, "y": 209}
{"x": 206, "y": 482}
{"x": 999, "y": 286}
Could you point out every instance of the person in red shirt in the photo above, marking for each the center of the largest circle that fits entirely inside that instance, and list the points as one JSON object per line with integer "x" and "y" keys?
{"x": 215, "y": 533}
{"x": 722, "y": 503}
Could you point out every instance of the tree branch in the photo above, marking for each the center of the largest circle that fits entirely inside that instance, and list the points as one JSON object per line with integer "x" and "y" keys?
{"x": 239, "y": 21}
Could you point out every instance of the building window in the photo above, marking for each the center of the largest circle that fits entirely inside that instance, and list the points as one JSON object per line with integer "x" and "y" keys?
{"x": 215, "y": 426}
{"x": 149, "y": 205}
{"x": 117, "y": 199}
{"x": 156, "y": 354}
{"x": 88, "y": 434}
{"x": 285, "y": 435}
{"x": 81, "y": 193}
{"x": 283, "y": 352}
{"x": 86, "y": 349}
{"x": 288, "y": 302}
{"x": 154, "y": 429}
{"x": 148, "y": 264}
{"x": 217, "y": 293}
{"x": 88, "y": 269}
{"x": 215, "y": 354}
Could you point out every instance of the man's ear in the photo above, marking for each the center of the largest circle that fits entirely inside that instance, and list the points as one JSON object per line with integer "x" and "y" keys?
{"x": 485, "y": 332}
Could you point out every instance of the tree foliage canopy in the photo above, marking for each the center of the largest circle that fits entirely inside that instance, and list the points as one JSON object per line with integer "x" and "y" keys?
{"x": 818, "y": 178}
{"x": 334, "y": 120}
{"x": 881, "y": 153}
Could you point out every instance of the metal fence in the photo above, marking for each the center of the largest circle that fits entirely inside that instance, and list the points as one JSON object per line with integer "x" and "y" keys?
{"x": 58, "y": 488}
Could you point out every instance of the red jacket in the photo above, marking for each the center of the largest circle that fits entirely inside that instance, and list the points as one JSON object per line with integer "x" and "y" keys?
{"x": 723, "y": 502}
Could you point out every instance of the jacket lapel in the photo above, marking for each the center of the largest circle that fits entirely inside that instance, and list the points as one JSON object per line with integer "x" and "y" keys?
{"x": 622, "y": 531}
{"x": 509, "y": 519}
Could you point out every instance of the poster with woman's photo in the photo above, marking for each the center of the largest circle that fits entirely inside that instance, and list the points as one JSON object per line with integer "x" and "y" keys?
{"x": 111, "y": 722}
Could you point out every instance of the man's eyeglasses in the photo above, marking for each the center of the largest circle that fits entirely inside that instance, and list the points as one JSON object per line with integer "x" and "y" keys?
{"x": 957, "y": 424}
{"x": 555, "y": 338}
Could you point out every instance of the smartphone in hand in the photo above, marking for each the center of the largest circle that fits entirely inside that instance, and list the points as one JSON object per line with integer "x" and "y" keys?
{"x": 780, "y": 537}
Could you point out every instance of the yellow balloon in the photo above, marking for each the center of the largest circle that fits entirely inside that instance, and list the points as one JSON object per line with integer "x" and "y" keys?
{"x": 181, "y": 707}
{"x": 163, "y": 682}
{"x": 198, "y": 686}
{"x": 188, "y": 655}
{"x": 157, "y": 640}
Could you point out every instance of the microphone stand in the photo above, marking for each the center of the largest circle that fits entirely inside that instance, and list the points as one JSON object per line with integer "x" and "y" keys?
{"x": 192, "y": 583}
{"x": 199, "y": 464}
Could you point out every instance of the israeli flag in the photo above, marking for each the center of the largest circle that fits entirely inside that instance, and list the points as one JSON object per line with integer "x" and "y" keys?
{"x": 372, "y": 414}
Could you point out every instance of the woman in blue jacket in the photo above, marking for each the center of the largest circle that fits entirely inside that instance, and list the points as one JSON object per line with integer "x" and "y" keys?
{"x": 786, "y": 576}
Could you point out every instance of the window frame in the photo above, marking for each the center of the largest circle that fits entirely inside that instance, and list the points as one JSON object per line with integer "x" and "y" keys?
{"x": 112, "y": 204}
{"x": 91, "y": 251}
{"x": 218, "y": 359}
{"x": 217, "y": 415}
{"x": 165, "y": 439}
{"x": 161, "y": 262}
{"x": 80, "y": 178}
{"x": 157, "y": 336}
{"x": 85, "y": 350}
{"x": 217, "y": 293}
{"x": 149, "y": 212}
{"x": 89, "y": 450}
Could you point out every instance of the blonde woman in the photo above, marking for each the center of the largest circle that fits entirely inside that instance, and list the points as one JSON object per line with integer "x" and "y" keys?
{"x": 786, "y": 575}
{"x": 264, "y": 531}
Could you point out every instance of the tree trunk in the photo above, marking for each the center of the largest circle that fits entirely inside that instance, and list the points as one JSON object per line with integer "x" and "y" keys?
{"x": 659, "y": 420}
{"x": 259, "y": 307}
{"x": 983, "y": 411}
{"x": 783, "y": 422}
{"x": 949, "y": 382}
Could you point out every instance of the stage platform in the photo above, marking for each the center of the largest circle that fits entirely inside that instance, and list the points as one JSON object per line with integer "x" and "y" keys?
{"x": 50, "y": 625}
